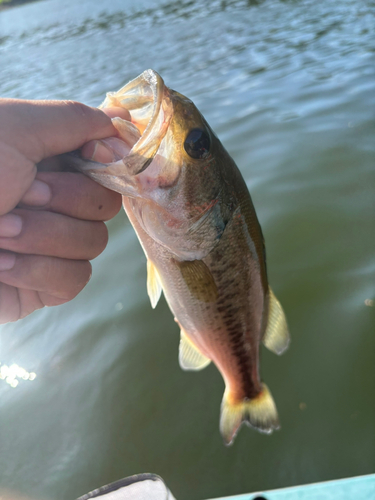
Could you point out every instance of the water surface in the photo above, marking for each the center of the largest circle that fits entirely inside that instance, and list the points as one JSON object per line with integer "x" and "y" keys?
{"x": 289, "y": 88}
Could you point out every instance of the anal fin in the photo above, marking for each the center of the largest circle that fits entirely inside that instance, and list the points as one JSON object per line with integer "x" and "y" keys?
{"x": 259, "y": 412}
{"x": 276, "y": 337}
{"x": 154, "y": 287}
{"x": 189, "y": 355}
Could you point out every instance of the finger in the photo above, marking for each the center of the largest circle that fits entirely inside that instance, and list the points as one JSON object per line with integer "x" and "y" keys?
{"x": 29, "y": 301}
{"x": 9, "y": 304}
{"x": 116, "y": 112}
{"x": 56, "y": 235}
{"x": 113, "y": 148}
{"x": 54, "y": 164}
{"x": 39, "y": 129}
{"x": 106, "y": 150}
{"x": 59, "y": 163}
{"x": 16, "y": 176}
{"x": 72, "y": 194}
{"x": 49, "y": 276}
{"x": 17, "y": 303}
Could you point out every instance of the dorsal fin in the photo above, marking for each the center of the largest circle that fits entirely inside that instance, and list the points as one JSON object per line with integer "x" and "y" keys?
{"x": 276, "y": 337}
{"x": 154, "y": 287}
{"x": 189, "y": 355}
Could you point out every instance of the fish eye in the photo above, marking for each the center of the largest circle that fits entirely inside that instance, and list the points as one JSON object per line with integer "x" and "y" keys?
{"x": 197, "y": 144}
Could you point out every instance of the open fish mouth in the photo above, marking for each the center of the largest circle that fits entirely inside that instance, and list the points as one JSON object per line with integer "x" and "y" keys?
{"x": 148, "y": 101}
{"x": 142, "y": 97}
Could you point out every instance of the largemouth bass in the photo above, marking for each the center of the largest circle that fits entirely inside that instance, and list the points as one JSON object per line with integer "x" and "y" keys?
{"x": 195, "y": 220}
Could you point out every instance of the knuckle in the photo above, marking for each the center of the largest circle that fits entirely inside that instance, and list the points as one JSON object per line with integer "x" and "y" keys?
{"x": 91, "y": 120}
{"x": 78, "y": 108}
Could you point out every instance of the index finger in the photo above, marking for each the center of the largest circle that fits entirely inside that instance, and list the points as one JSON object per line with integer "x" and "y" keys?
{"x": 39, "y": 129}
{"x": 75, "y": 195}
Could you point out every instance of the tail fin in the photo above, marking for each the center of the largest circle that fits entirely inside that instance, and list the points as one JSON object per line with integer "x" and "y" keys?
{"x": 259, "y": 412}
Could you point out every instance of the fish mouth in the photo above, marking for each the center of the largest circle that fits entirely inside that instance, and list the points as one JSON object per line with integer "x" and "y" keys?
{"x": 148, "y": 101}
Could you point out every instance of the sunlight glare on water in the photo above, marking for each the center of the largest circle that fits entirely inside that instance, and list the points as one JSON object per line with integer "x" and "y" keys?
{"x": 13, "y": 374}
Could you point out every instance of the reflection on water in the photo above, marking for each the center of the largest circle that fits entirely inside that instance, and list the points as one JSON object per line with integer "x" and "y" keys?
{"x": 289, "y": 87}
{"x": 13, "y": 374}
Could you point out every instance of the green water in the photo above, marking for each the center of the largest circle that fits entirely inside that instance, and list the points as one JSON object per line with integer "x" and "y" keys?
{"x": 289, "y": 87}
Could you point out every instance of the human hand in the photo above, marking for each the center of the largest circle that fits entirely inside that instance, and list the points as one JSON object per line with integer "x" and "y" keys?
{"x": 51, "y": 222}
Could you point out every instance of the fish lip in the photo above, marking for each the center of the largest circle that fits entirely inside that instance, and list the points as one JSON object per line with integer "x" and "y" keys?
{"x": 148, "y": 84}
{"x": 157, "y": 86}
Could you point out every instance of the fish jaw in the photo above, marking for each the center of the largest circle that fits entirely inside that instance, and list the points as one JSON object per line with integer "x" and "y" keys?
{"x": 151, "y": 109}
{"x": 147, "y": 99}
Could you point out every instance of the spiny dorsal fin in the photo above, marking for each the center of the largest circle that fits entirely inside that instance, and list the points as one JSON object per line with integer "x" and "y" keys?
{"x": 259, "y": 412}
{"x": 189, "y": 356}
{"x": 199, "y": 280}
{"x": 154, "y": 287}
{"x": 276, "y": 337}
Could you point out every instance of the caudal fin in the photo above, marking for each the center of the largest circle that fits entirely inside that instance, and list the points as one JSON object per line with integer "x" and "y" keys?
{"x": 259, "y": 412}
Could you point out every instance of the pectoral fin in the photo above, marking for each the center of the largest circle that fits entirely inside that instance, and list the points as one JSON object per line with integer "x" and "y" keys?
{"x": 276, "y": 337}
{"x": 199, "y": 280}
{"x": 189, "y": 355}
{"x": 154, "y": 287}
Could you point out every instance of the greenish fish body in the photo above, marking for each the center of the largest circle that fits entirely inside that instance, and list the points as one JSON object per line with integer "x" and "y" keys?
{"x": 194, "y": 217}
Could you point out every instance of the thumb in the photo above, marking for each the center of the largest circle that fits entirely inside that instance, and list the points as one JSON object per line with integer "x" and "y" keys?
{"x": 33, "y": 130}
{"x": 40, "y": 129}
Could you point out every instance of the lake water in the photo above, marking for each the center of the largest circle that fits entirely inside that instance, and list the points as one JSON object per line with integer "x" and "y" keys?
{"x": 289, "y": 87}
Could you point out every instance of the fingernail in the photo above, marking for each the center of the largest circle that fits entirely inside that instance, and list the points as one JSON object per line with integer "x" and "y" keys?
{"x": 39, "y": 194}
{"x": 96, "y": 151}
{"x": 10, "y": 225}
{"x": 7, "y": 261}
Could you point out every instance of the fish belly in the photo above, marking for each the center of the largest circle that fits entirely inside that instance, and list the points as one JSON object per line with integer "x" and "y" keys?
{"x": 228, "y": 329}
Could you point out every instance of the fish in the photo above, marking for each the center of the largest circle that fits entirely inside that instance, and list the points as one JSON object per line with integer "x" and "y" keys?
{"x": 195, "y": 220}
